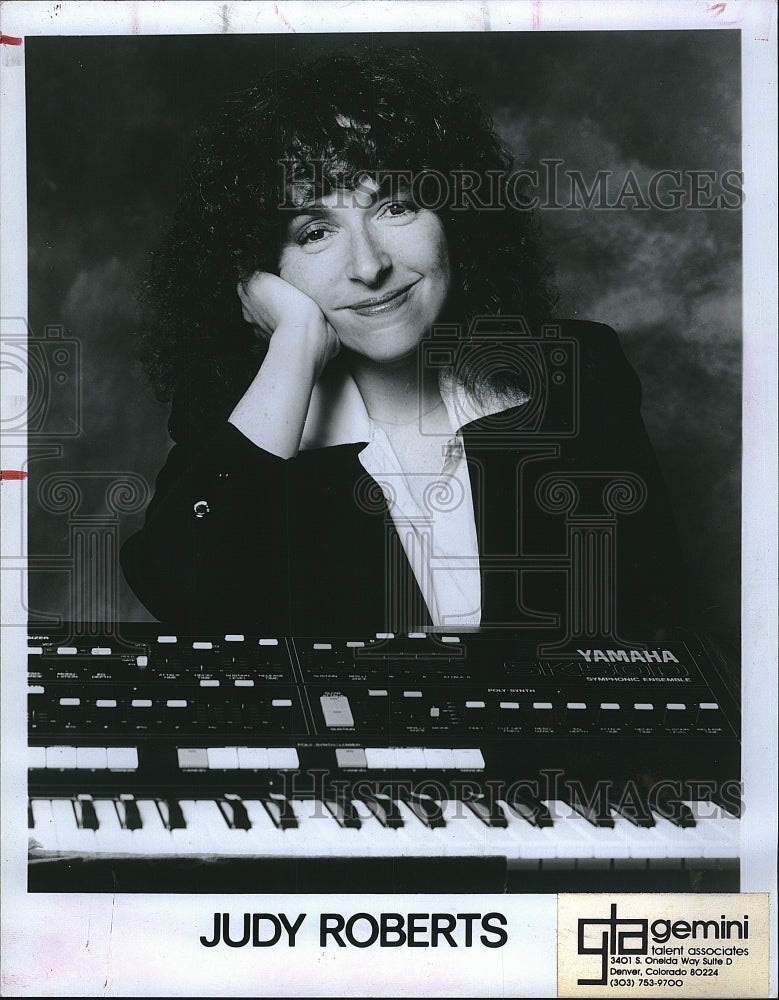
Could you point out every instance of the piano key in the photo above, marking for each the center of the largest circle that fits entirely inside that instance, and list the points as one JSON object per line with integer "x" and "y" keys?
{"x": 234, "y": 812}
{"x": 266, "y": 838}
{"x": 524, "y": 805}
{"x": 212, "y": 823}
{"x": 631, "y": 804}
{"x": 720, "y": 836}
{"x": 339, "y": 804}
{"x": 427, "y": 809}
{"x": 621, "y": 841}
{"x": 111, "y": 838}
{"x": 70, "y": 836}
{"x": 376, "y": 839}
{"x": 44, "y": 831}
{"x": 577, "y": 838}
{"x": 318, "y": 834}
{"x": 153, "y": 838}
{"x": 172, "y": 814}
{"x": 521, "y": 839}
{"x": 190, "y": 831}
{"x": 459, "y": 835}
{"x": 725, "y": 803}
{"x": 593, "y": 807}
{"x": 680, "y": 841}
{"x": 383, "y": 807}
{"x": 86, "y": 819}
{"x": 280, "y": 810}
{"x": 487, "y": 810}
{"x": 127, "y": 811}
{"x": 672, "y": 809}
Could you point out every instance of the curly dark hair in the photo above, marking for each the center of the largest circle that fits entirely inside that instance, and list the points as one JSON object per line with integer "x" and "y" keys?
{"x": 385, "y": 110}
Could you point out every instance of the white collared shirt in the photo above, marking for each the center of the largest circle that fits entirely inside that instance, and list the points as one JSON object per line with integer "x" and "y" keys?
{"x": 433, "y": 515}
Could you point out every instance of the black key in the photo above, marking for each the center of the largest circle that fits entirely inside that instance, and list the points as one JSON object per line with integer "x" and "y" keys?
{"x": 670, "y": 808}
{"x": 86, "y": 817}
{"x": 340, "y": 805}
{"x": 593, "y": 807}
{"x": 172, "y": 816}
{"x": 383, "y": 808}
{"x": 425, "y": 808}
{"x": 234, "y": 812}
{"x": 30, "y": 817}
{"x": 280, "y": 810}
{"x": 488, "y": 810}
{"x": 629, "y": 802}
{"x": 529, "y": 808}
{"x": 127, "y": 810}
{"x": 734, "y": 808}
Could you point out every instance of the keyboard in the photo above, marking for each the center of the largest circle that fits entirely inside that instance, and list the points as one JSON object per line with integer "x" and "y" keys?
{"x": 418, "y": 762}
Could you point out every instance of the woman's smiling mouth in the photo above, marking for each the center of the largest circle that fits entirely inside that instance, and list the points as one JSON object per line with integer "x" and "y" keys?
{"x": 384, "y": 303}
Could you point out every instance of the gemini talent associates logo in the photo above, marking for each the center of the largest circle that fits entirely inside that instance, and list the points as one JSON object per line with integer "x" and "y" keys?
{"x": 635, "y": 941}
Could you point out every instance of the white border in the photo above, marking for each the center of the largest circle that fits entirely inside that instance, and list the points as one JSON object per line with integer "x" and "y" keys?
{"x": 757, "y": 21}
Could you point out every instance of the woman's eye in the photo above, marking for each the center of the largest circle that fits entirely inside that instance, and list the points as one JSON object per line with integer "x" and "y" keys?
{"x": 397, "y": 208}
{"x": 313, "y": 235}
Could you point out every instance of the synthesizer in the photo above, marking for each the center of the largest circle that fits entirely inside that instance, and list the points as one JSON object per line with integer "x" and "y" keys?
{"x": 418, "y": 762}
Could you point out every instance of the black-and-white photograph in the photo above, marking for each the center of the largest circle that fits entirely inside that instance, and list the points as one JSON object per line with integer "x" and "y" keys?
{"x": 383, "y": 513}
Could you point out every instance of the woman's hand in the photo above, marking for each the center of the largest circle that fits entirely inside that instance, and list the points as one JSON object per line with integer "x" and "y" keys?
{"x": 272, "y": 305}
{"x": 273, "y": 410}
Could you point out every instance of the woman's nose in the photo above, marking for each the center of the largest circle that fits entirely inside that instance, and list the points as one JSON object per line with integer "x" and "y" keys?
{"x": 369, "y": 260}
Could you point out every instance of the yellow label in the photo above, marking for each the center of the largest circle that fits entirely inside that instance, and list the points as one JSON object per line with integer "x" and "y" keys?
{"x": 664, "y": 944}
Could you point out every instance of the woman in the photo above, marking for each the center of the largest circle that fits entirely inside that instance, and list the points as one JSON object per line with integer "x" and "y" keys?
{"x": 373, "y": 426}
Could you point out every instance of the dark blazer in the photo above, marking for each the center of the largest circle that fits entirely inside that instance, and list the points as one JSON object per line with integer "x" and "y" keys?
{"x": 573, "y": 522}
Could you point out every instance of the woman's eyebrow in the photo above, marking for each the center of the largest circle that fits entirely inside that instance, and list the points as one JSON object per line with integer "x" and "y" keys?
{"x": 314, "y": 211}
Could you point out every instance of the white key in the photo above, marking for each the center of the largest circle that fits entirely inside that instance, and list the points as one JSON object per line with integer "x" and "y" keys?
{"x": 237, "y": 841}
{"x": 45, "y": 829}
{"x": 470, "y": 836}
{"x": 502, "y": 841}
{"x": 575, "y": 832}
{"x": 680, "y": 841}
{"x": 375, "y": 840}
{"x": 537, "y": 843}
{"x": 70, "y": 836}
{"x": 641, "y": 841}
{"x": 194, "y": 838}
{"x": 318, "y": 829}
{"x": 110, "y": 839}
{"x": 153, "y": 838}
{"x": 268, "y": 840}
{"x": 457, "y": 838}
{"x": 603, "y": 841}
{"x": 720, "y": 837}
{"x": 209, "y": 818}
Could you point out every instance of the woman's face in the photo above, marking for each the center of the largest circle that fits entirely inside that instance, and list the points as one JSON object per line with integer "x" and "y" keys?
{"x": 377, "y": 266}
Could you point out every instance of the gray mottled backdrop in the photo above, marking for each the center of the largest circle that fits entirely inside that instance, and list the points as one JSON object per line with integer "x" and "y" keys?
{"x": 108, "y": 121}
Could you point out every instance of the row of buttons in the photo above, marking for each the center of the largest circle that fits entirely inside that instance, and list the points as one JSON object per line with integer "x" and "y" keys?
{"x": 83, "y": 758}
{"x": 162, "y": 639}
{"x": 238, "y": 758}
{"x": 372, "y": 758}
{"x": 359, "y": 643}
{"x": 148, "y": 702}
{"x": 403, "y": 758}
